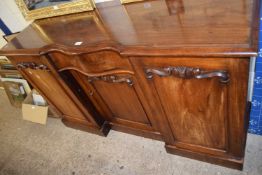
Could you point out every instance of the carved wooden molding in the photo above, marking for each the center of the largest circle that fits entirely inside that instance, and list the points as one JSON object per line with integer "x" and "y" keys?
{"x": 113, "y": 79}
{"x": 31, "y": 65}
{"x": 111, "y": 76}
{"x": 187, "y": 73}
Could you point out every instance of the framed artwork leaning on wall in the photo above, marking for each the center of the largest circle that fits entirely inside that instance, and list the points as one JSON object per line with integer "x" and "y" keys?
{"x": 37, "y": 9}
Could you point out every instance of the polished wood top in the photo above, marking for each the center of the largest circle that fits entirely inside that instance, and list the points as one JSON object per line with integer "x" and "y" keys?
{"x": 158, "y": 27}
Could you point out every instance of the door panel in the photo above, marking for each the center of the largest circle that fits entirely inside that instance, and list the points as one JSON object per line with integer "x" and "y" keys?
{"x": 115, "y": 97}
{"x": 196, "y": 109}
{"x": 202, "y": 99}
{"x": 42, "y": 81}
{"x": 122, "y": 100}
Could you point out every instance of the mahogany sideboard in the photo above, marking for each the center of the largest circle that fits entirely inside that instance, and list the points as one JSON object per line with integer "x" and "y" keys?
{"x": 174, "y": 70}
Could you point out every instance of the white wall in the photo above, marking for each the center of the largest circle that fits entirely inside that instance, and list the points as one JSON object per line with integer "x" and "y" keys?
{"x": 2, "y": 41}
{"x": 11, "y": 15}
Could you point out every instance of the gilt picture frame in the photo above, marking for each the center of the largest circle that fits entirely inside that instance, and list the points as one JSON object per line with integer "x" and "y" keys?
{"x": 129, "y": 1}
{"x": 37, "y": 9}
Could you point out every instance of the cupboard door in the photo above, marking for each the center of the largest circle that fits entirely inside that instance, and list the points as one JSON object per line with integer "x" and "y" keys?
{"x": 203, "y": 100}
{"x": 196, "y": 109}
{"x": 40, "y": 76}
{"x": 117, "y": 95}
{"x": 110, "y": 84}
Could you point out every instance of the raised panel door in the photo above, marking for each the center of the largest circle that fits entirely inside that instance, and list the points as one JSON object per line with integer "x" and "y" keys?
{"x": 202, "y": 99}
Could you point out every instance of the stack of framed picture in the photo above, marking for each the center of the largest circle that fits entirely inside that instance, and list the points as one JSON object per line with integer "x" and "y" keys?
{"x": 12, "y": 81}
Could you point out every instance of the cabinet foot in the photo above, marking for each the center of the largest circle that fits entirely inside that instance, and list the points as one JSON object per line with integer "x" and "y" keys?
{"x": 102, "y": 131}
{"x": 218, "y": 160}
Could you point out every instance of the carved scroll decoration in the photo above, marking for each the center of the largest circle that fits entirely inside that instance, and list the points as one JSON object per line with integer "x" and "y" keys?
{"x": 187, "y": 73}
{"x": 31, "y": 65}
{"x": 112, "y": 76}
{"x": 113, "y": 79}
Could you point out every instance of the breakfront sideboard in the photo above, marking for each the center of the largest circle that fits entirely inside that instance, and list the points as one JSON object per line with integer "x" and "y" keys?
{"x": 175, "y": 71}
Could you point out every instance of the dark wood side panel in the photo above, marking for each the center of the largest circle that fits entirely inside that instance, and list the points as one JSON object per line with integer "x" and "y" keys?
{"x": 238, "y": 105}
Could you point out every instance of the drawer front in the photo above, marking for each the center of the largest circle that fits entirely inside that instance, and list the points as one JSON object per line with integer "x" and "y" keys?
{"x": 203, "y": 100}
{"x": 96, "y": 62}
